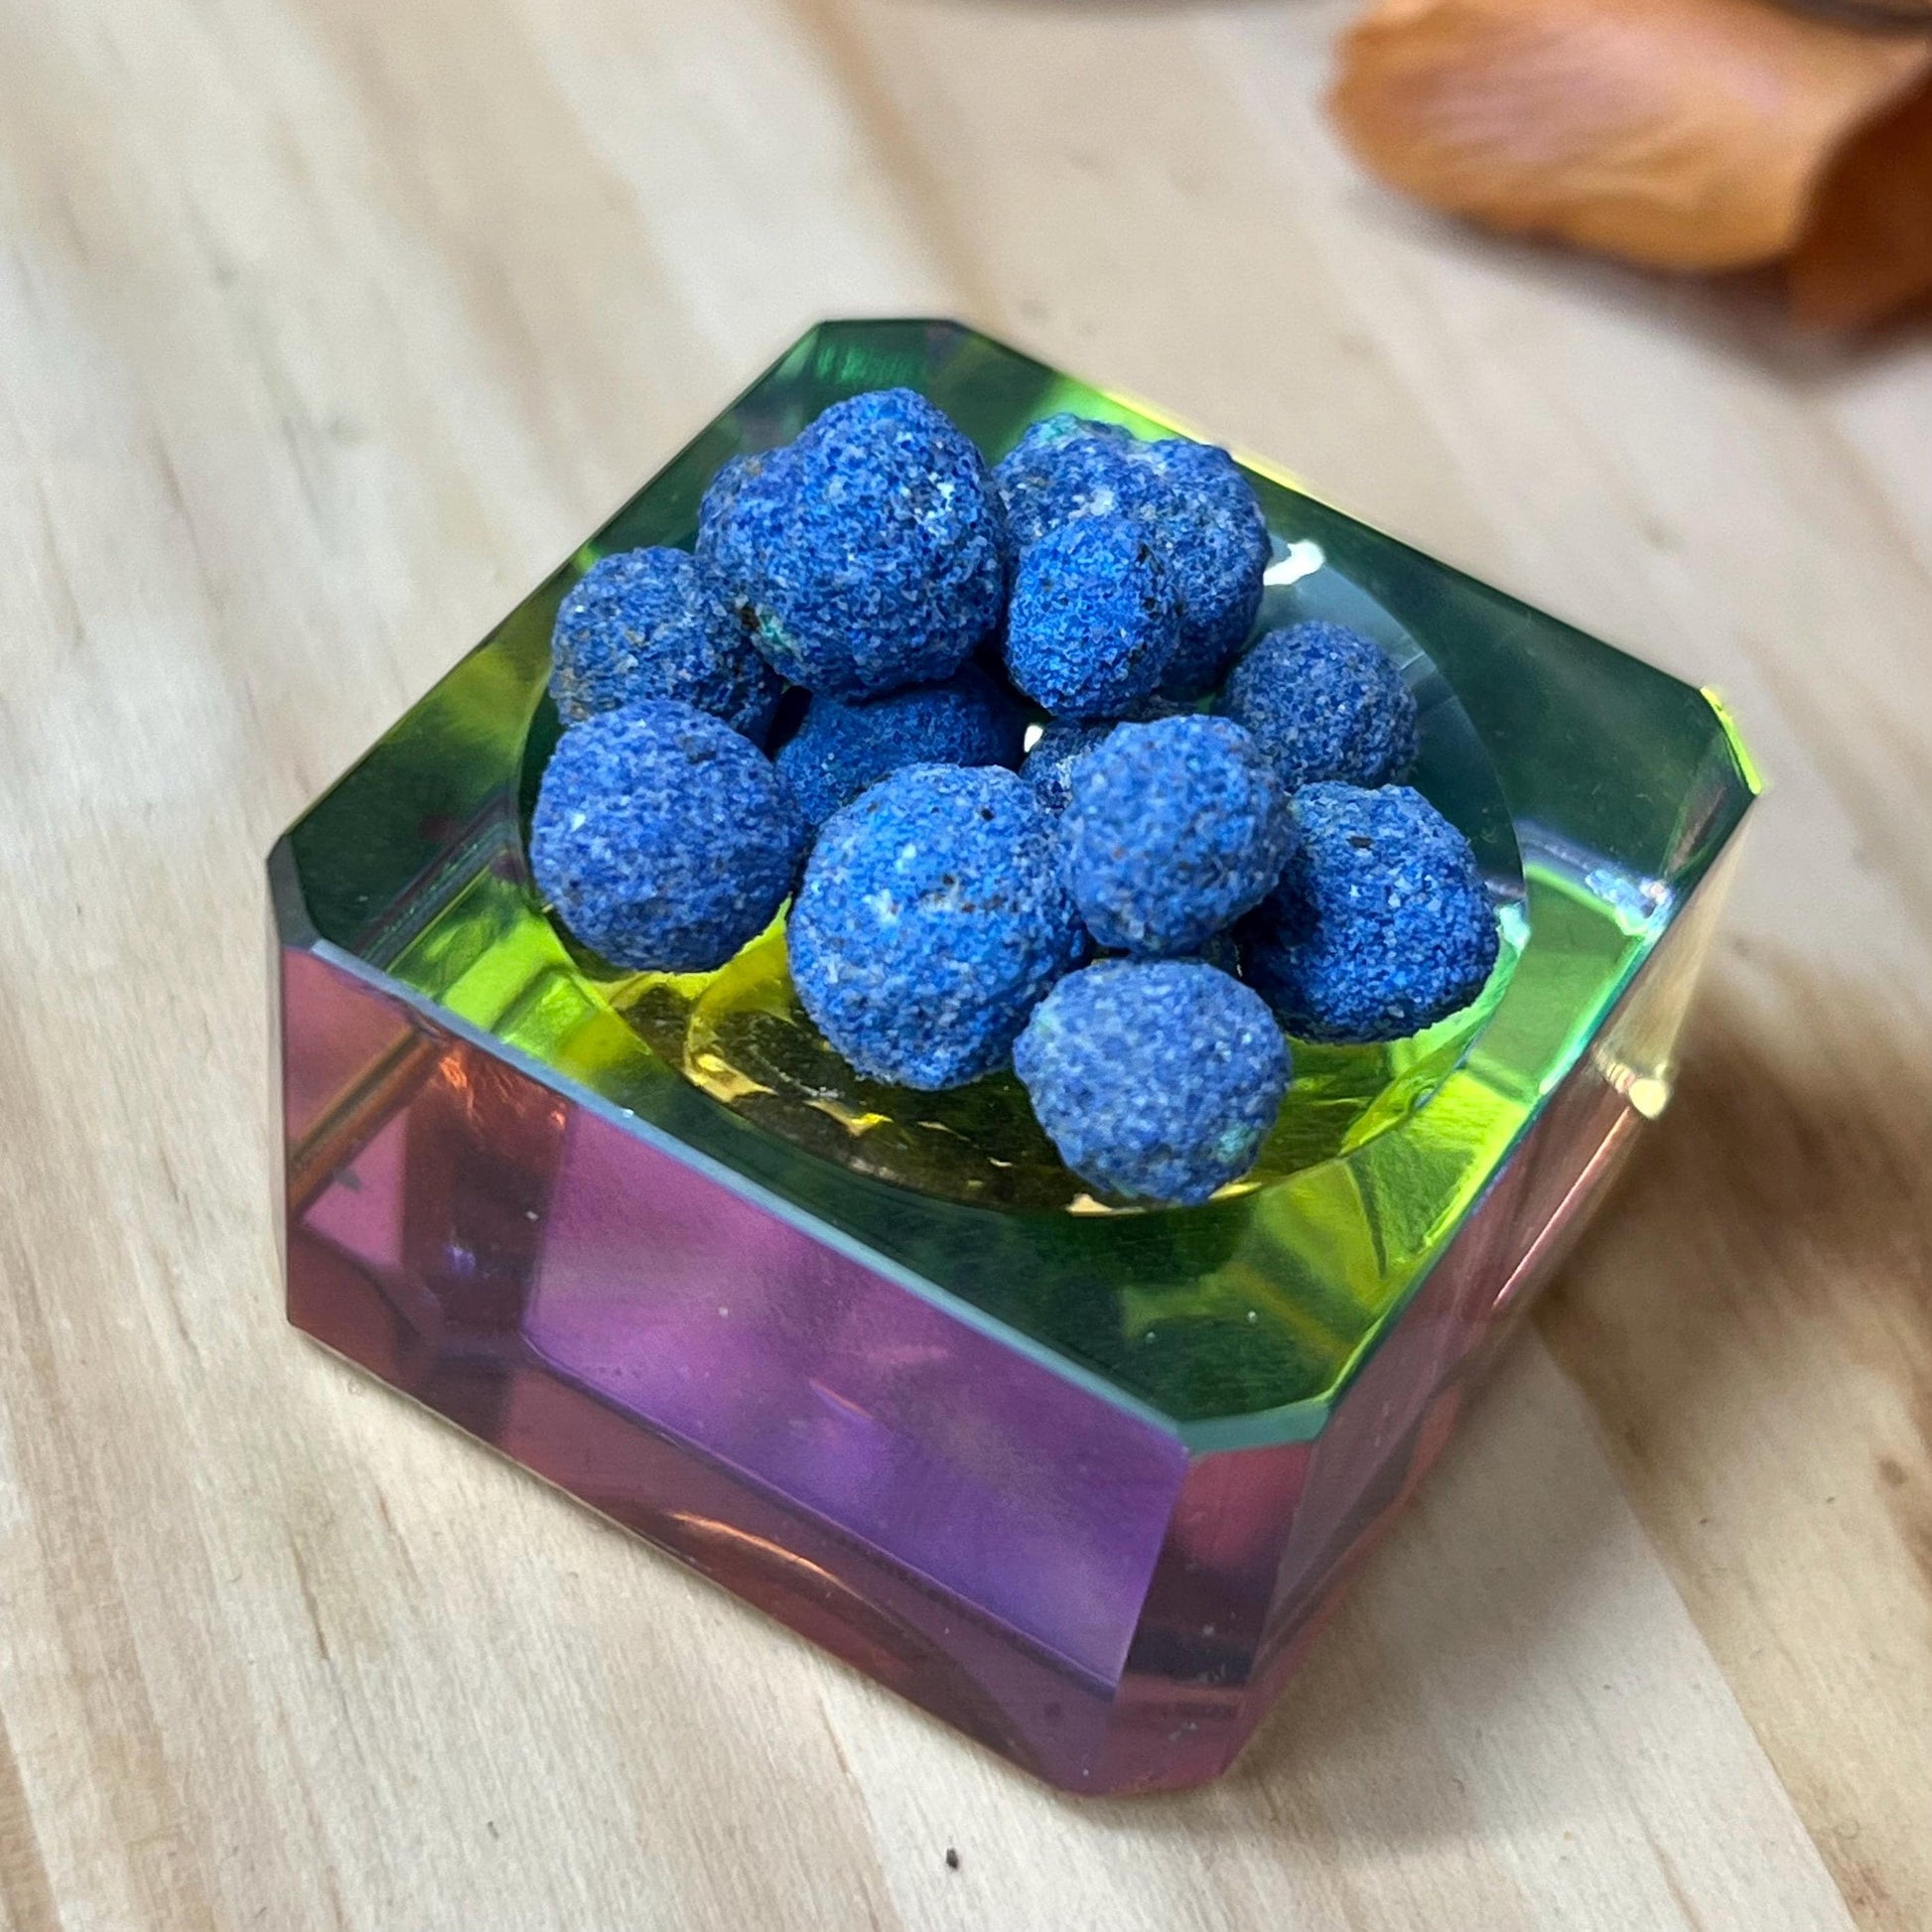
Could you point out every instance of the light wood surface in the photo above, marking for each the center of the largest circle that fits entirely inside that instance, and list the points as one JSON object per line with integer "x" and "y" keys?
{"x": 325, "y": 326}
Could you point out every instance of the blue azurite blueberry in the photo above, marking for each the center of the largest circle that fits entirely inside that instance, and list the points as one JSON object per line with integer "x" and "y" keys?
{"x": 1049, "y": 768}
{"x": 1065, "y": 469}
{"x": 840, "y": 748}
{"x": 1049, "y": 765}
{"x": 663, "y": 839}
{"x": 869, "y": 554}
{"x": 657, "y": 624}
{"x": 931, "y": 920}
{"x": 722, "y": 491}
{"x": 1326, "y": 704}
{"x": 1216, "y": 544}
{"x": 1157, "y": 1079}
{"x": 1173, "y": 831}
{"x": 1093, "y": 623}
{"x": 1200, "y": 511}
{"x": 1380, "y": 926}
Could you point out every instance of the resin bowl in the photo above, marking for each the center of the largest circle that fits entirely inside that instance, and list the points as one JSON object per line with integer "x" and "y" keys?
{"x": 1081, "y": 1481}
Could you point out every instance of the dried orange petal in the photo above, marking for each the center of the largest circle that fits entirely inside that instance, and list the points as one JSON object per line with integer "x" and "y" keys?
{"x": 1681, "y": 133}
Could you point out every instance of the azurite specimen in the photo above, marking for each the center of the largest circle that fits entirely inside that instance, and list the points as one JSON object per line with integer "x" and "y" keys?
{"x": 1066, "y": 468}
{"x": 1095, "y": 621}
{"x": 1172, "y": 830}
{"x": 1192, "y": 497}
{"x": 1328, "y": 705}
{"x": 1157, "y": 1079}
{"x": 871, "y": 553}
{"x": 657, "y": 624}
{"x": 1215, "y": 540}
{"x": 1380, "y": 926}
{"x": 722, "y": 491}
{"x": 1049, "y": 766}
{"x": 932, "y": 921}
{"x": 662, "y": 838}
{"x": 840, "y": 748}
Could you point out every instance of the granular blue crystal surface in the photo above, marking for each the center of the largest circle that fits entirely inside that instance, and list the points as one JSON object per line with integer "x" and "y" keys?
{"x": 722, "y": 491}
{"x": 842, "y": 747}
{"x": 1157, "y": 1079}
{"x": 870, "y": 554}
{"x": 1094, "y": 622}
{"x": 1172, "y": 830}
{"x": 1380, "y": 926}
{"x": 657, "y": 624}
{"x": 1065, "y": 469}
{"x": 662, "y": 838}
{"x": 1216, "y": 541}
{"x": 1198, "y": 506}
{"x": 931, "y": 920}
{"x": 1326, "y": 704}
{"x": 1049, "y": 766}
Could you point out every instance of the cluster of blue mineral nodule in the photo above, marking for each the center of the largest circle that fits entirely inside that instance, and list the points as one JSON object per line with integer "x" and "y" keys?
{"x": 870, "y": 553}
{"x": 1327, "y": 706}
{"x": 932, "y": 921}
{"x": 1093, "y": 623}
{"x": 1380, "y": 924}
{"x": 1172, "y": 830}
{"x": 949, "y": 904}
{"x": 1195, "y": 504}
{"x": 663, "y": 839}
{"x": 1158, "y": 1080}
{"x": 657, "y": 624}
{"x": 842, "y": 747}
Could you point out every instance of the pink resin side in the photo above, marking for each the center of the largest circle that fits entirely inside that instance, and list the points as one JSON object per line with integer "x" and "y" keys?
{"x": 1053, "y": 1571}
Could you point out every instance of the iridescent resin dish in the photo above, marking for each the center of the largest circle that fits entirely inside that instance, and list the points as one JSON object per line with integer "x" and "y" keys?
{"x": 1080, "y": 1479}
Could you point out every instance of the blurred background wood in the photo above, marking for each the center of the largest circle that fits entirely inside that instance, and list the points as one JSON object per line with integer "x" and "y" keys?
{"x": 325, "y": 326}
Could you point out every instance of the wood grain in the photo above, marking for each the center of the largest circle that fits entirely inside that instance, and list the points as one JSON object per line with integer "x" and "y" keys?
{"x": 326, "y": 325}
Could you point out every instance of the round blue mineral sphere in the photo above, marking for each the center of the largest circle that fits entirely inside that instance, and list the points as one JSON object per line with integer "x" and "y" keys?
{"x": 1326, "y": 704}
{"x": 1157, "y": 1079}
{"x": 663, "y": 839}
{"x": 1066, "y": 468}
{"x": 932, "y": 921}
{"x": 657, "y": 624}
{"x": 1093, "y": 623}
{"x": 1049, "y": 766}
{"x": 840, "y": 748}
{"x": 1215, "y": 540}
{"x": 722, "y": 491}
{"x": 1197, "y": 504}
{"x": 1172, "y": 830}
{"x": 869, "y": 554}
{"x": 1380, "y": 926}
